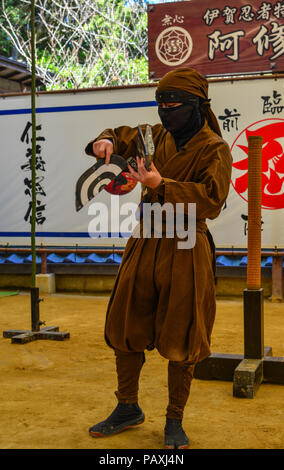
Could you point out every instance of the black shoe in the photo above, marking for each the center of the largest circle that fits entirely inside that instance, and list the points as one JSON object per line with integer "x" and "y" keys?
{"x": 123, "y": 416}
{"x": 175, "y": 437}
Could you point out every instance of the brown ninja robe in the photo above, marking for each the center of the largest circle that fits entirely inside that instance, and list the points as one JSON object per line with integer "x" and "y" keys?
{"x": 164, "y": 296}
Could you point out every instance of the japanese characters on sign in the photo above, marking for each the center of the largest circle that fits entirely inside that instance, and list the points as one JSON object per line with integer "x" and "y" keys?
{"x": 232, "y": 37}
{"x": 245, "y": 218}
{"x": 265, "y": 38}
{"x": 26, "y": 168}
{"x": 245, "y": 13}
{"x": 230, "y": 119}
{"x": 273, "y": 104}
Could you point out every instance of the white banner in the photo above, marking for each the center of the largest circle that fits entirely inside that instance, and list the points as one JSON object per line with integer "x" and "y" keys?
{"x": 68, "y": 121}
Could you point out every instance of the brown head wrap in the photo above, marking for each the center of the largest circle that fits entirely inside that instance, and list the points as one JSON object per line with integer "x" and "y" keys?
{"x": 190, "y": 81}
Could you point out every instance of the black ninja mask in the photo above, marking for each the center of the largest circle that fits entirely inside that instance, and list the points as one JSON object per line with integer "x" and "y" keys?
{"x": 181, "y": 121}
{"x": 175, "y": 119}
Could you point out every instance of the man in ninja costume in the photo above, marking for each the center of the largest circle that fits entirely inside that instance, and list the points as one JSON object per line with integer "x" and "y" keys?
{"x": 164, "y": 297}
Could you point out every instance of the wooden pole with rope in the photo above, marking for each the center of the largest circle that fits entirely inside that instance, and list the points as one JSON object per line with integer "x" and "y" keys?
{"x": 256, "y": 365}
{"x": 249, "y": 373}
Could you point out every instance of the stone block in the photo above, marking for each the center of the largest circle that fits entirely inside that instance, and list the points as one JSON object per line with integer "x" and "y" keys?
{"x": 46, "y": 283}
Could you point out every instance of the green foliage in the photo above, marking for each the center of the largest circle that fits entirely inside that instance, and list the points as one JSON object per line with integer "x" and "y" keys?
{"x": 19, "y": 15}
{"x": 81, "y": 43}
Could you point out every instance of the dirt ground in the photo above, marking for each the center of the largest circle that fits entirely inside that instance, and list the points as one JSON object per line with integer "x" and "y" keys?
{"x": 52, "y": 391}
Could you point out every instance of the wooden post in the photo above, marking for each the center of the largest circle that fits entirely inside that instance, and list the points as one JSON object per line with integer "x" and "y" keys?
{"x": 277, "y": 279}
{"x": 257, "y": 364}
{"x": 49, "y": 332}
{"x": 249, "y": 373}
{"x": 43, "y": 263}
{"x": 35, "y": 309}
{"x": 253, "y": 324}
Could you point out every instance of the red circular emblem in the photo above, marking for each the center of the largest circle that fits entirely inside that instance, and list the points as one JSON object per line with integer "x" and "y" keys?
{"x": 272, "y": 131}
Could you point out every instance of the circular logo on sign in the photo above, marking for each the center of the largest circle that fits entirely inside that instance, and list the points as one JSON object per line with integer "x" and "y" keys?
{"x": 272, "y": 131}
{"x": 173, "y": 46}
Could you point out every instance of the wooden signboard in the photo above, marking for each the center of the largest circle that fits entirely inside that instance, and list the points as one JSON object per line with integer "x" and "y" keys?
{"x": 216, "y": 37}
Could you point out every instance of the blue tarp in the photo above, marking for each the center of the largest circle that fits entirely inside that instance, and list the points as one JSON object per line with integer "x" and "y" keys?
{"x": 15, "y": 259}
{"x": 28, "y": 259}
{"x": 54, "y": 258}
{"x": 114, "y": 258}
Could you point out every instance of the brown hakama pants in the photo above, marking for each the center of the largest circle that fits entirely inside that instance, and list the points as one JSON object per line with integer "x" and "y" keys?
{"x": 180, "y": 374}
